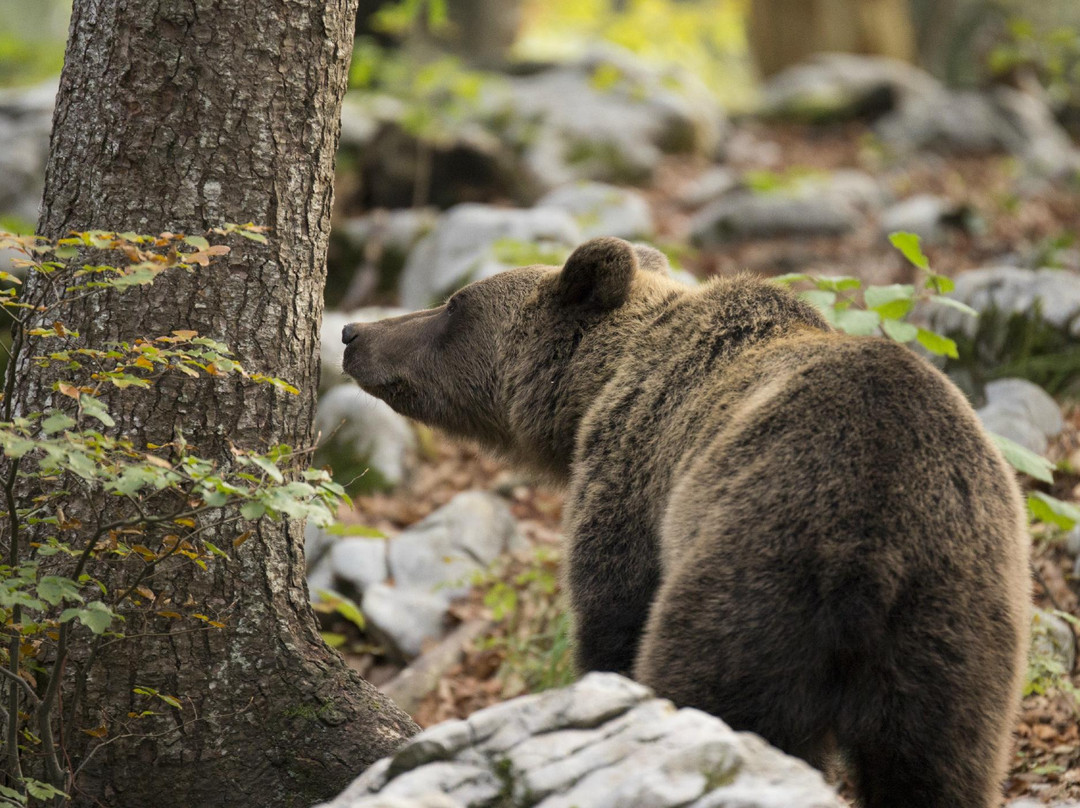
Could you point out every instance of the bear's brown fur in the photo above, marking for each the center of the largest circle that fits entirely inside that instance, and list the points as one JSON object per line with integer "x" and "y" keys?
{"x": 805, "y": 533}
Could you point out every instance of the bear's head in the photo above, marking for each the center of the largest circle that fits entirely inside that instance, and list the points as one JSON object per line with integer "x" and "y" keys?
{"x": 513, "y": 361}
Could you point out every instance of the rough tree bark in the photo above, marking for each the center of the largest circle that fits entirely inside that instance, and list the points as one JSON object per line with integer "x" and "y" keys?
{"x": 181, "y": 115}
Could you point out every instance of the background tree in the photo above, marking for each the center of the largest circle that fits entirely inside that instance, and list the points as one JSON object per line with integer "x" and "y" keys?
{"x": 180, "y": 116}
{"x": 785, "y": 32}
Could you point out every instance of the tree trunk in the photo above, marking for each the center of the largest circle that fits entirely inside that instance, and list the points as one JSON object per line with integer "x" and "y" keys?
{"x": 785, "y": 32}
{"x": 182, "y": 115}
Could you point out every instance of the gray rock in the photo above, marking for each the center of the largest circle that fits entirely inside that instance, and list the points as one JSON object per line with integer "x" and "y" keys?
{"x": 1035, "y": 135}
{"x": 1072, "y": 541}
{"x": 378, "y": 244}
{"x": 1004, "y": 120}
{"x": 836, "y": 86}
{"x": 1026, "y": 401}
{"x": 25, "y": 123}
{"x": 363, "y": 114}
{"x": 954, "y": 122}
{"x": 362, "y": 435}
{"x": 804, "y": 211}
{"x": 403, "y": 619}
{"x": 857, "y": 188}
{"x": 914, "y": 111}
{"x": 925, "y": 215}
{"x": 603, "y": 210}
{"x": 608, "y": 117}
{"x": 1053, "y": 637}
{"x": 1002, "y": 422}
{"x": 359, "y": 561}
{"x": 439, "y": 554}
{"x": 317, "y": 546}
{"x": 331, "y": 348}
{"x": 1022, "y": 412}
{"x": 464, "y": 246}
{"x": 1011, "y": 290}
{"x": 603, "y": 742}
{"x": 707, "y": 186}
{"x": 393, "y": 230}
{"x": 431, "y": 564}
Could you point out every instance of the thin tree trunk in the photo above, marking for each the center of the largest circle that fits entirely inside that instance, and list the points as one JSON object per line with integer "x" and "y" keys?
{"x": 182, "y": 115}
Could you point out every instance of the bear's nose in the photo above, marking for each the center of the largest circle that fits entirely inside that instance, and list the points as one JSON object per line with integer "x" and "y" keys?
{"x": 349, "y": 332}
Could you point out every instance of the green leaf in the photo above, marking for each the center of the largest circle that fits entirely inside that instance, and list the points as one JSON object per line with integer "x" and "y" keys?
{"x": 822, "y": 300}
{"x": 11, "y": 796}
{"x": 57, "y": 422}
{"x": 333, "y": 639}
{"x": 42, "y": 791}
{"x": 343, "y": 606}
{"x": 858, "y": 322}
{"x": 891, "y": 302}
{"x": 55, "y": 588}
{"x": 836, "y": 283}
{"x": 908, "y": 244}
{"x": 954, "y": 304}
{"x": 340, "y": 529}
{"x": 123, "y": 380}
{"x": 15, "y": 446}
{"x": 136, "y": 276}
{"x": 95, "y": 408}
{"x": 899, "y": 331}
{"x": 791, "y": 277}
{"x": 941, "y": 284}
{"x": 1024, "y": 460}
{"x": 1053, "y": 511}
{"x": 268, "y": 466}
{"x": 96, "y": 616}
{"x": 198, "y": 242}
{"x": 937, "y": 344}
{"x": 252, "y": 510}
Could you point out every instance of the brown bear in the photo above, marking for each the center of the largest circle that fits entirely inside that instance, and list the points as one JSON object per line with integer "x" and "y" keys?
{"x": 805, "y": 533}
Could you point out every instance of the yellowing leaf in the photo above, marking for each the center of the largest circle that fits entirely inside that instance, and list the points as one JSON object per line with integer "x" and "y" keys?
{"x": 184, "y": 522}
{"x": 97, "y": 732}
{"x": 171, "y": 615}
{"x": 68, "y": 390}
{"x": 243, "y": 537}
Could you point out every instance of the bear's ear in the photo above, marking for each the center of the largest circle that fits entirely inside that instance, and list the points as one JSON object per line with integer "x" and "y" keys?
{"x": 651, "y": 259}
{"x": 597, "y": 274}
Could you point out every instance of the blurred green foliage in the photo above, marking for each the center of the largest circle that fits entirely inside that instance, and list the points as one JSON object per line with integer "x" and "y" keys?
{"x": 706, "y": 37}
{"x": 1052, "y": 55}
{"x": 28, "y": 62}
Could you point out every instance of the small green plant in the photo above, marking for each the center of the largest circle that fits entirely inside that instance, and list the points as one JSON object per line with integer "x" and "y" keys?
{"x": 439, "y": 97}
{"x": 533, "y": 632}
{"x": 1046, "y": 671}
{"x": 1053, "y": 56}
{"x": 160, "y": 503}
{"x": 884, "y": 311}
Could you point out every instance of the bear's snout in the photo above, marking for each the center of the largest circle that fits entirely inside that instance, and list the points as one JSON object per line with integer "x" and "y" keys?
{"x": 349, "y": 332}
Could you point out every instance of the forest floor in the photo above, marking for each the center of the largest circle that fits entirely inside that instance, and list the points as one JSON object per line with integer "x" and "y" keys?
{"x": 1003, "y": 222}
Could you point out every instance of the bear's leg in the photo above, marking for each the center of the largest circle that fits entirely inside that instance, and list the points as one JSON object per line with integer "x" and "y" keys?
{"x": 715, "y": 643}
{"x": 935, "y": 743}
{"x": 610, "y": 602}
